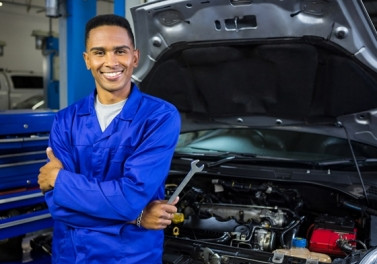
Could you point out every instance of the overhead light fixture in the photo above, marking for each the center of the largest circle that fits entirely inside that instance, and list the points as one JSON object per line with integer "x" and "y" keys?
{"x": 52, "y": 8}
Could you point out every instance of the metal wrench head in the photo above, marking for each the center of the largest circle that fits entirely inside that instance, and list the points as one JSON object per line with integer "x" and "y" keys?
{"x": 195, "y": 168}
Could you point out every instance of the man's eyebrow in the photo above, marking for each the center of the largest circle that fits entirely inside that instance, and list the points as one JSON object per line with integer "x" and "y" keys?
{"x": 122, "y": 47}
{"x": 96, "y": 48}
{"x": 114, "y": 48}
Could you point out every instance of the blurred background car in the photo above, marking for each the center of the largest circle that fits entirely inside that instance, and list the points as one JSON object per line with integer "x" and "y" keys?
{"x": 34, "y": 103}
{"x": 17, "y": 88}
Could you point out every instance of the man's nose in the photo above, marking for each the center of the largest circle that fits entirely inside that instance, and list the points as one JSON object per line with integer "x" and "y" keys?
{"x": 111, "y": 59}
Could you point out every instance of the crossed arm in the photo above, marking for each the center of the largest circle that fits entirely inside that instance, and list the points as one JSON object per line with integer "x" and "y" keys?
{"x": 156, "y": 215}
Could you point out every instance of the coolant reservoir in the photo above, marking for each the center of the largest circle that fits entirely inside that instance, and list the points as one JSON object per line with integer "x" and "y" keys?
{"x": 299, "y": 250}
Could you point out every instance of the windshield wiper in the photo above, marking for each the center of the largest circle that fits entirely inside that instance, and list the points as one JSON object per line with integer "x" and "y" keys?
{"x": 220, "y": 161}
{"x": 221, "y": 157}
{"x": 233, "y": 156}
{"x": 350, "y": 161}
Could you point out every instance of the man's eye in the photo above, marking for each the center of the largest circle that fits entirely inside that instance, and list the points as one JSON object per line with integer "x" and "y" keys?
{"x": 121, "y": 51}
{"x": 99, "y": 53}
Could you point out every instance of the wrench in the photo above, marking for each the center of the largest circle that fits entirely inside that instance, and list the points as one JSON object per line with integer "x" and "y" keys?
{"x": 194, "y": 169}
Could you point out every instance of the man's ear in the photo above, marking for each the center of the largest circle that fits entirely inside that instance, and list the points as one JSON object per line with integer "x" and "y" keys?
{"x": 86, "y": 59}
{"x": 136, "y": 57}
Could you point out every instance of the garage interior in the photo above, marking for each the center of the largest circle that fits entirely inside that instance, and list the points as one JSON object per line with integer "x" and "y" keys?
{"x": 33, "y": 37}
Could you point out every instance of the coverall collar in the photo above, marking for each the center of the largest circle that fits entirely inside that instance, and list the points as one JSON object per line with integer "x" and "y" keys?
{"x": 128, "y": 111}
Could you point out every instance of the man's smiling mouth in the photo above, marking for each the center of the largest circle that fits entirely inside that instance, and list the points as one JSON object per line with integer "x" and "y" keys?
{"x": 112, "y": 74}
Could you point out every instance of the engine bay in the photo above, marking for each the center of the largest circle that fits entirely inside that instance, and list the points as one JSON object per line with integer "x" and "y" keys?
{"x": 239, "y": 220}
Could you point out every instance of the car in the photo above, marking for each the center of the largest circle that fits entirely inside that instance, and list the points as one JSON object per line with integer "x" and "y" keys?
{"x": 278, "y": 101}
{"x": 18, "y": 87}
{"x": 35, "y": 102}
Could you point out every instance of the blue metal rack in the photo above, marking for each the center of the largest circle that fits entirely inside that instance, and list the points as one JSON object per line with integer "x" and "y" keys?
{"x": 27, "y": 221}
{"x": 23, "y": 140}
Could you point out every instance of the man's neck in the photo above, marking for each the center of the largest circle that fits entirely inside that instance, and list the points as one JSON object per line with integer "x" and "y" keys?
{"x": 106, "y": 97}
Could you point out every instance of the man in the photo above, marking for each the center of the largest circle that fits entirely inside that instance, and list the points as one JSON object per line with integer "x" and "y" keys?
{"x": 109, "y": 156}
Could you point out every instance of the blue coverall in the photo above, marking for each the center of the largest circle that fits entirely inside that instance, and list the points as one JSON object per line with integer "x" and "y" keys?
{"x": 108, "y": 179}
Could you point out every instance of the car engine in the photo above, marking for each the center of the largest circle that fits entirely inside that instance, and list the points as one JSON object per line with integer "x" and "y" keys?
{"x": 240, "y": 220}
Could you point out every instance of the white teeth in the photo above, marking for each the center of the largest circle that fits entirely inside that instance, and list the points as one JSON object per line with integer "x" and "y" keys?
{"x": 111, "y": 74}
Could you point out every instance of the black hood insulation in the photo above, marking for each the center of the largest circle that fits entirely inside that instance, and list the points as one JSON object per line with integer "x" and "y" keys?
{"x": 299, "y": 80}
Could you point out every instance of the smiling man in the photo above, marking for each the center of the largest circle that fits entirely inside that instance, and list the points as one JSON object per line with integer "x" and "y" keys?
{"x": 109, "y": 156}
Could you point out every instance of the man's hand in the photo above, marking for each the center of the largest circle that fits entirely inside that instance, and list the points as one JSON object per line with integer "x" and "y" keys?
{"x": 158, "y": 214}
{"x": 49, "y": 172}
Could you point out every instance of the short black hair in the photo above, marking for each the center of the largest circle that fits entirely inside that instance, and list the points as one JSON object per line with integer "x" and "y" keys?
{"x": 108, "y": 20}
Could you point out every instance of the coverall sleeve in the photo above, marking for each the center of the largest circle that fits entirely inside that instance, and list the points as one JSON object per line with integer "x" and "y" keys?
{"x": 71, "y": 217}
{"x": 79, "y": 220}
{"x": 120, "y": 200}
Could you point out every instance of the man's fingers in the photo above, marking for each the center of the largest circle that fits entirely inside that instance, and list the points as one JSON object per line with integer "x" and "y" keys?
{"x": 54, "y": 161}
{"x": 50, "y": 154}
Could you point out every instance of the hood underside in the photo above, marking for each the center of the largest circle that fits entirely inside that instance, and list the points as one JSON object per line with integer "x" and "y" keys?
{"x": 306, "y": 61}
{"x": 286, "y": 79}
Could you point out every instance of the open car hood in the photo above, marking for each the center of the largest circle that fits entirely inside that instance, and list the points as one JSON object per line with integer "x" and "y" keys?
{"x": 262, "y": 62}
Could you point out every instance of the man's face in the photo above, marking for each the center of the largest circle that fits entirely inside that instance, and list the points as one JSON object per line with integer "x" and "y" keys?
{"x": 111, "y": 57}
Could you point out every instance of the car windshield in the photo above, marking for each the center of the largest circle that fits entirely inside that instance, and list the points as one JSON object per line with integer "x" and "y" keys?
{"x": 27, "y": 82}
{"x": 275, "y": 144}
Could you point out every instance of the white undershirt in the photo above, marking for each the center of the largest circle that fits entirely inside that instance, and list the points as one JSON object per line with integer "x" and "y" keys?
{"x": 107, "y": 112}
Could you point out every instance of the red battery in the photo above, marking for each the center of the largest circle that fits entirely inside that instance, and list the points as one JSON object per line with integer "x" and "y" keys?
{"x": 325, "y": 241}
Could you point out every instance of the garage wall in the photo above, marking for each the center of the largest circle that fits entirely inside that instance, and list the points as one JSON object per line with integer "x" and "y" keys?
{"x": 16, "y": 26}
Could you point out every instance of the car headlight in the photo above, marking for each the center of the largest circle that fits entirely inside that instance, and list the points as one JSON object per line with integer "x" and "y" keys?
{"x": 370, "y": 257}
